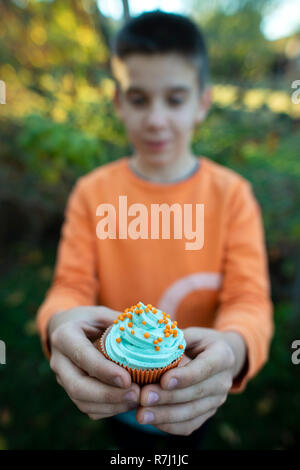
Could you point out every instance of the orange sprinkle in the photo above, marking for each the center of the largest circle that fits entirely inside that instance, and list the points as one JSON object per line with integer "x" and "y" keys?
{"x": 154, "y": 310}
{"x": 118, "y": 340}
{"x": 168, "y": 316}
{"x": 144, "y": 323}
{"x": 159, "y": 339}
{"x": 122, "y": 328}
{"x": 130, "y": 324}
{"x": 180, "y": 346}
{"x": 129, "y": 316}
{"x": 139, "y": 304}
{"x": 132, "y": 332}
{"x": 122, "y": 317}
{"x": 149, "y": 306}
{"x": 146, "y": 335}
{"x": 157, "y": 348}
{"x": 155, "y": 341}
{"x": 167, "y": 335}
{"x": 166, "y": 321}
{"x": 115, "y": 321}
{"x": 175, "y": 323}
{"x": 159, "y": 321}
{"x": 146, "y": 309}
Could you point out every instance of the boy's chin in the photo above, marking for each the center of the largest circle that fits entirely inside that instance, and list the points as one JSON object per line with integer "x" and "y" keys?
{"x": 157, "y": 159}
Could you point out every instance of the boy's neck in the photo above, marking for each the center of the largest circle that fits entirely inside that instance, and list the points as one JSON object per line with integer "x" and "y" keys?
{"x": 164, "y": 173}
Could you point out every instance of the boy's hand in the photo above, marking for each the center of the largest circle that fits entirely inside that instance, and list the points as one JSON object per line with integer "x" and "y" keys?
{"x": 202, "y": 385}
{"x": 97, "y": 386}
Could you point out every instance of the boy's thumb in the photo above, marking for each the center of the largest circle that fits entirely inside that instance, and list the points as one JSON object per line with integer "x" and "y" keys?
{"x": 98, "y": 319}
{"x": 195, "y": 335}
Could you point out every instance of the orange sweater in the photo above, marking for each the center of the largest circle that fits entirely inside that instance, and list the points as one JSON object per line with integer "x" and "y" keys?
{"x": 223, "y": 285}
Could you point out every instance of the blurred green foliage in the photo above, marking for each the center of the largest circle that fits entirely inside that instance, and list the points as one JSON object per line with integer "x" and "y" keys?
{"x": 262, "y": 147}
{"x": 241, "y": 52}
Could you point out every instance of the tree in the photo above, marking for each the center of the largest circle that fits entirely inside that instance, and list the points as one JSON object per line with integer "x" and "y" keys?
{"x": 126, "y": 11}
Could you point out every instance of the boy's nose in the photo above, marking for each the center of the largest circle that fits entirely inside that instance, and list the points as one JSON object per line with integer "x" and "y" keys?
{"x": 156, "y": 117}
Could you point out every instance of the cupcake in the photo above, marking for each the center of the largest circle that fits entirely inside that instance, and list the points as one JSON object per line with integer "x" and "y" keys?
{"x": 145, "y": 341}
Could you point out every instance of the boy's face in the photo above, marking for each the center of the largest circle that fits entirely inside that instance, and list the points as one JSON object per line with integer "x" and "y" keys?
{"x": 160, "y": 104}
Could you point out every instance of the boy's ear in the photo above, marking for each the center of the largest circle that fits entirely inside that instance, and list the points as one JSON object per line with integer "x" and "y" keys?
{"x": 117, "y": 101}
{"x": 204, "y": 104}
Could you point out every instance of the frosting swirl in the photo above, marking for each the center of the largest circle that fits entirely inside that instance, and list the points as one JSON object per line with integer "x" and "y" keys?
{"x": 144, "y": 337}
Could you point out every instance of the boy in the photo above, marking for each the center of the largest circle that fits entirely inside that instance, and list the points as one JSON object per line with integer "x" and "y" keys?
{"x": 216, "y": 287}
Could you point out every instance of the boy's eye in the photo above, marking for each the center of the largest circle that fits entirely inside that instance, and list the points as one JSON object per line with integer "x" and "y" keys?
{"x": 173, "y": 100}
{"x": 176, "y": 100}
{"x": 137, "y": 101}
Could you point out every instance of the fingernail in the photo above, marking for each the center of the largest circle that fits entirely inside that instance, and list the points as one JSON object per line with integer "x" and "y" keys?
{"x": 118, "y": 381}
{"x": 148, "y": 417}
{"x": 131, "y": 396}
{"x": 152, "y": 398}
{"x": 132, "y": 405}
{"x": 172, "y": 384}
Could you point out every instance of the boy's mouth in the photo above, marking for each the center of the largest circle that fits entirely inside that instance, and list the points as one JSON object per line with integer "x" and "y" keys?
{"x": 156, "y": 145}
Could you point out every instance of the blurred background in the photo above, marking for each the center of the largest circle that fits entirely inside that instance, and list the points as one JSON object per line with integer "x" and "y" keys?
{"x": 58, "y": 123}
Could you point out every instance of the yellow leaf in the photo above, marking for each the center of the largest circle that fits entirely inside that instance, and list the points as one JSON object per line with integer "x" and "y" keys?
{"x": 228, "y": 434}
{"x": 5, "y": 416}
{"x": 265, "y": 406}
{"x": 58, "y": 114}
{"x": 38, "y": 34}
{"x": 30, "y": 328}
{"x": 45, "y": 273}
{"x": 66, "y": 20}
{"x": 15, "y": 298}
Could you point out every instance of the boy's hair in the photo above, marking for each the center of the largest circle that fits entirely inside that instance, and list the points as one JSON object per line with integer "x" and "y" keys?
{"x": 160, "y": 32}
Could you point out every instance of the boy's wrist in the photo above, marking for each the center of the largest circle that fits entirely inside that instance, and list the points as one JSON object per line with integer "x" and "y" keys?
{"x": 238, "y": 345}
{"x": 52, "y": 324}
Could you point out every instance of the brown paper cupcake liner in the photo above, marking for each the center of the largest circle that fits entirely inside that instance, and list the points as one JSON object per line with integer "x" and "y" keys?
{"x": 139, "y": 376}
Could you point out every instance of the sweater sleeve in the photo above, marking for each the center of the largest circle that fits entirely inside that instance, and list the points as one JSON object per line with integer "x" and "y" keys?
{"x": 245, "y": 305}
{"x": 74, "y": 281}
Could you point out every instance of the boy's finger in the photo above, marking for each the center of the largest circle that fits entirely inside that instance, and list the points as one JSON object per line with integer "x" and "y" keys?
{"x": 104, "y": 411}
{"x": 185, "y": 428}
{"x": 177, "y": 413}
{"x": 153, "y": 394}
{"x": 82, "y": 388}
{"x": 73, "y": 343}
{"x": 204, "y": 365}
{"x": 95, "y": 319}
{"x": 102, "y": 317}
